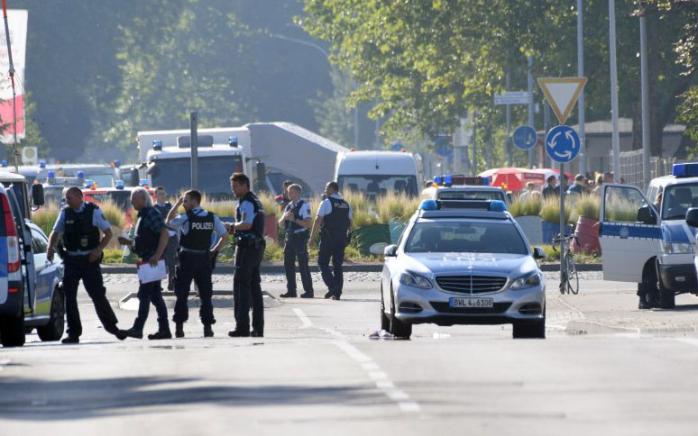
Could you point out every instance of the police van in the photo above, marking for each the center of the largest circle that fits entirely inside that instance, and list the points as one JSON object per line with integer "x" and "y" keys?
{"x": 30, "y": 285}
{"x": 645, "y": 238}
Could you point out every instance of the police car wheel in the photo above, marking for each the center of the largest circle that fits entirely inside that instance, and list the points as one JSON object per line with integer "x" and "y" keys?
{"x": 667, "y": 299}
{"x": 12, "y": 331}
{"x": 53, "y": 331}
{"x": 398, "y": 328}
{"x": 385, "y": 321}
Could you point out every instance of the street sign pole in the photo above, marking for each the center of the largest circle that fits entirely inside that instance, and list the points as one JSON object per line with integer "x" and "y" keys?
{"x": 194, "y": 145}
{"x": 615, "y": 137}
{"x": 510, "y": 157}
{"x": 563, "y": 226}
{"x": 580, "y": 73}
{"x": 531, "y": 120}
{"x": 645, "y": 102}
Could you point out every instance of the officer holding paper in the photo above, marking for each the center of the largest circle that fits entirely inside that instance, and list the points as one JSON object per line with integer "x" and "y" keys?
{"x": 196, "y": 227}
{"x": 149, "y": 245}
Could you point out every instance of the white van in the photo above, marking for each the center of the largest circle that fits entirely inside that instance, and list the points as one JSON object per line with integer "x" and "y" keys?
{"x": 377, "y": 173}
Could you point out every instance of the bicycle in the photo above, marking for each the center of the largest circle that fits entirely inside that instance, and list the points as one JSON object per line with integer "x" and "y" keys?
{"x": 569, "y": 278}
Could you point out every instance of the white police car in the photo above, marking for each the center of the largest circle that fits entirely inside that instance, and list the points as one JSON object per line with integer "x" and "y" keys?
{"x": 647, "y": 241}
{"x": 462, "y": 262}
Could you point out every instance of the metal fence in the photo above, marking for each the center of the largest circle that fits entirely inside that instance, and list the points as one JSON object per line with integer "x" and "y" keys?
{"x": 631, "y": 167}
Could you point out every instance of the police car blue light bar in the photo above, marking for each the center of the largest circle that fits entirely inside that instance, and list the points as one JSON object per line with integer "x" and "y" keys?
{"x": 4, "y": 163}
{"x": 488, "y": 205}
{"x": 80, "y": 174}
{"x": 119, "y": 184}
{"x": 51, "y": 176}
{"x": 42, "y": 164}
{"x": 157, "y": 144}
{"x": 438, "y": 180}
{"x": 688, "y": 169}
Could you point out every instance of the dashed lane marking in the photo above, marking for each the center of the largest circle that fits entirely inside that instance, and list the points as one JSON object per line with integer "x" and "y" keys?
{"x": 373, "y": 371}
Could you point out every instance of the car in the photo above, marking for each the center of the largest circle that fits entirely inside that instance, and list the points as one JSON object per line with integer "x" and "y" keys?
{"x": 31, "y": 295}
{"x": 462, "y": 262}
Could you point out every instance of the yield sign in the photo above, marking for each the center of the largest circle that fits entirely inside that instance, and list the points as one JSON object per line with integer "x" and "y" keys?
{"x": 562, "y": 93}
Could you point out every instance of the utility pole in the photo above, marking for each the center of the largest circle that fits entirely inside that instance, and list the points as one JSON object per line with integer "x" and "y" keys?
{"x": 615, "y": 138}
{"x": 580, "y": 73}
{"x": 510, "y": 152}
{"x": 644, "y": 85}
{"x": 531, "y": 109}
{"x": 194, "y": 145}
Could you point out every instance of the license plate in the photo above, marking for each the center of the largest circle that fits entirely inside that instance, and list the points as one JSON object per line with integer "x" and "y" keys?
{"x": 471, "y": 302}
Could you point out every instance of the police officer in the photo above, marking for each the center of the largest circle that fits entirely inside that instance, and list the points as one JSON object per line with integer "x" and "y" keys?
{"x": 196, "y": 227}
{"x": 150, "y": 243}
{"x": 80, "y": 224}
{"x": 249, "y": 242}
{"x": 334, "y": 223}
{"x": 163, "y": 206}
{"x": 296, "y": 221}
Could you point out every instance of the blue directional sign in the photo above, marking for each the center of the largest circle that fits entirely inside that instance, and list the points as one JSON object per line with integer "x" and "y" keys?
{"x": 525, "y": 137}
{"x": 562, "y": 143}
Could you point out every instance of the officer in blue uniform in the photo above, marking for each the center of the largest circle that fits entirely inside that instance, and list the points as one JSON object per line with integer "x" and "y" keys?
{"x": 163, "y": 206}
{"x": 149, "y": 245}
{"x": 196, "y": 226}
{"x": 80, "y": 224}
{"x": 333, "y": 221}
{"x": 296, "y": 221}
{"x": 249, "y": 251}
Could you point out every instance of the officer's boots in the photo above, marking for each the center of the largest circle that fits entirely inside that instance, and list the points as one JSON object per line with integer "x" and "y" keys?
{"x": 179, "y": 330}
{"x": 208, "y": 331}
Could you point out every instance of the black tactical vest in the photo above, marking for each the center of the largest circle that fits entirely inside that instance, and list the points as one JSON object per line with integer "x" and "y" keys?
{"x": 164, "y": 209}
{"x": 336, "y": 224}
{"x": 79, "y": 233}
{"x": 146, "y": 243}
{"x": 199, "y": 234}
{"x": 289, "y": 225}
{"x": 257, "y": 230}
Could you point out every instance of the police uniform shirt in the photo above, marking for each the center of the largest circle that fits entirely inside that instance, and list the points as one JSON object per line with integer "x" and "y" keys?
{"x": 98, "y": 220}
{"x": 181, "y": 223}
{"x": 247, "y": 212}
{"x": 303, "y": 213}
{"x": 326, "y": 206}
{"x": 164, "y": 209}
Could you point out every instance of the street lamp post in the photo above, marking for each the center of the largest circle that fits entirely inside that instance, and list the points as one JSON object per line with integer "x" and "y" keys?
{"x": 615, "y": 138}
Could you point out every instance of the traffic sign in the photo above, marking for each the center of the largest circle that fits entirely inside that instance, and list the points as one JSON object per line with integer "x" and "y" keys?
{"x": 562, "y": 143}
{"x": 512, "y": 97}
{"x": 525, "y": 137}
{"x": 562, "y": 93}
{"x": 30, "y": 155}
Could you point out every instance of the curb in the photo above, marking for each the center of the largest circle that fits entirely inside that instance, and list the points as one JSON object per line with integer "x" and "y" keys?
{"x": 355, "y": 268}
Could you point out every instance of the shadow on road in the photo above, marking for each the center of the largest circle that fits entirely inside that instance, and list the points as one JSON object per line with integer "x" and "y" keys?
{"x": 28, "y": 399}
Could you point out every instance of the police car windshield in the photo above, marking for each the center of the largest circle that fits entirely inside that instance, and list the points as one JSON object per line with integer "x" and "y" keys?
{"x": 678, "y": 199}
{"x": 448, "y": 236}
{"x": 471, "y": 195}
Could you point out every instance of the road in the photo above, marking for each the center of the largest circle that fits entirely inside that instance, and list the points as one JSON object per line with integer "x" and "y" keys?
{"x": 605, "y": 368}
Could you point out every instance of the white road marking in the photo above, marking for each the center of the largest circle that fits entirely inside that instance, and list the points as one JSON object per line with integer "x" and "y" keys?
{"x": 304, "y": 319}
{"x": 689, "y": 341}
{"x": 367, "y": 364}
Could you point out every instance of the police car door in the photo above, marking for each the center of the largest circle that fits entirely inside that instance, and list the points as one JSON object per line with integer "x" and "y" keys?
{"x": 627, "y": 243}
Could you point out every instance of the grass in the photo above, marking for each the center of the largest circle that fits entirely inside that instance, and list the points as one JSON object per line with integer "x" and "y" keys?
{"x": 621, "y": 210}
{"x": 46, "y": 217}
{"x": 552, "y": 255}
{"x": 396, "y": 208}
{"x": 113, "y": 213}
{"x": 550, "y": 211}
{"x": 588, "y": 207}
{"x": 528, "y": 207}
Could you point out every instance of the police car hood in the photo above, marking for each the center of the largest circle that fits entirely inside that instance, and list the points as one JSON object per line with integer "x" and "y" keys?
{"x": 677, "y": 232}
{"x": 511, "y": 265}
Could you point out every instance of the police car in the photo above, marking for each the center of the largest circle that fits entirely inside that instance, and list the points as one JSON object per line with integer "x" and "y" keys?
{"x": 463, "y": 188}
{"x": 30, "y": 285}
{"x": 462, "y": 262}
{"x": 645, "y": 238}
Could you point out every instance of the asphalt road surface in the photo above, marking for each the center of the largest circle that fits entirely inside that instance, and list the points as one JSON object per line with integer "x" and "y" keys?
{"x": 605, "y": 368}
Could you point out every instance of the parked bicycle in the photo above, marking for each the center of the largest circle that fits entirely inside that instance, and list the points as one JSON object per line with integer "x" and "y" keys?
{"x": 569, "y": 278}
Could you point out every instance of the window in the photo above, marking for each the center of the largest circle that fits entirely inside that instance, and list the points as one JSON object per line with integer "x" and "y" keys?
{"x": 678, "y": 199}
{"x": 443, "y": 236}
{"x": 471, "y": 195}
{"x": 622, "y": 204}
{"x": 39, "y": 243}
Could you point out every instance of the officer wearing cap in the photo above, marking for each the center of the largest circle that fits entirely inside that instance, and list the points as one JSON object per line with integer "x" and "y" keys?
{"x": 334, "y": 223}
{"x": 249, "y": 251}
{"x": 296, "y": 221}
{"x": 163, "y": 206}
{"x": 196, "y": 227}
{"x": 150, "y": 243}
{"x": 80, "y": 223}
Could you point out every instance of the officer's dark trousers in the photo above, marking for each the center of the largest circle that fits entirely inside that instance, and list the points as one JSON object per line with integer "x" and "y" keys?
{"x": 196, "y": 267}
{"x": 296, "y": 247}
{"x": 151, "y": 293}
{"x": 171, "y": 260}
{"x": 247, "y": 288}
{"x": 332, "y": 250}
{"x": 79, "y": 268}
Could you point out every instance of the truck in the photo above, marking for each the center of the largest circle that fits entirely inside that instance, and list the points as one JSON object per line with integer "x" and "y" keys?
{"x": 270, "y": 152}
{"x": 377, "y": 173}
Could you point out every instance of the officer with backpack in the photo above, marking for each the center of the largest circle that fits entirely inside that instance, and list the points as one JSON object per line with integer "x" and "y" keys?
{"x": 334, "y": 223}
{"x": 296, "y": 221}
{"x": 196, "y": 227}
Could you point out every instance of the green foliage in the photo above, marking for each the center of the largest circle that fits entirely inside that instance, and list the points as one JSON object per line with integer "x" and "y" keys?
{"x": 550, "y": 211}
{"x": 46, "y": 217}
{"x": 588, "y": 207}
{"x": 530, "y": 206}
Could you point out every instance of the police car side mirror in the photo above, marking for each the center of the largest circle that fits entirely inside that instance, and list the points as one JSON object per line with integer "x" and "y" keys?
{"x": 38, "y": 195}
{"x": 646, "y": 215}
{"x": 692, "y": 217}
{"x": 390, "y": 251}
{"x": 538, "y": 253}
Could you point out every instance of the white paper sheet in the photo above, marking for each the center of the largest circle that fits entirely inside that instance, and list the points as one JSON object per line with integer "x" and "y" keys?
{"x": 148, "y": 273}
